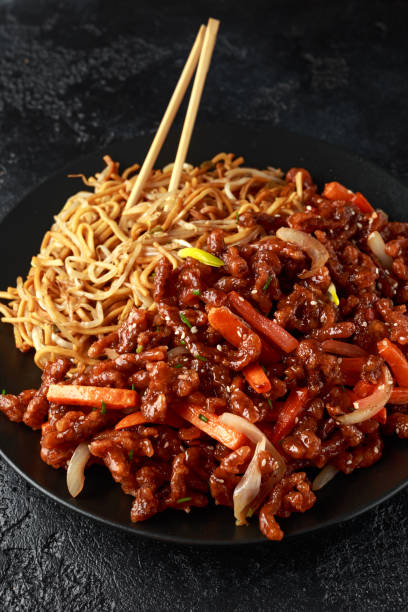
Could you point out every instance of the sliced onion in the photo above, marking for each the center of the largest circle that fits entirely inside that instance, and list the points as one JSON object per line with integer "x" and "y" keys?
{"x": 367, "y": 407}
{"x": 76, "y": 467}
{"x": 377, "y": 246}
{"x": 176, "y": 351}
{"x": 249, "y": 489}
{"x": 312, "y": 247}
{"x": 253, "y": 433}
{"x": 249, "y": 485}
{"x": 324, "y": 476}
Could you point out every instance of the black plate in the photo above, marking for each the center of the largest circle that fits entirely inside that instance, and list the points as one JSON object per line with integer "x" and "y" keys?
{"x": 20, "y": 237}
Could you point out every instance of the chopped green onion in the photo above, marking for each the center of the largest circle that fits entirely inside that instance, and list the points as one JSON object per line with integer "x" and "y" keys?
{"x": 185, "y": 320}
{"x": 203, "y": 418}
{"x": 270, "y": 404}
{"x": 103, "y": 408}
{"x": 250, "y": 512}
{"x": 3, "y": 392}
{"x": 196, "y": 292}
{"x": 200, "y": 255}
{"x": 182, "y": 342}
{"x": 237, "y": 216}
{"x": 263, "y": 367}
{"x": 133, "y": 387}
{"x": 200, "y": 357}
{"x": 343, "y": 388}
{"x": 184, "y": 499}
{"x": 94, "y": 408}
{"x": 131, "y": 454}
{"x": 266, "y": 285}
{"x": 178, "y": 365}
{"x": 139, "y": 349}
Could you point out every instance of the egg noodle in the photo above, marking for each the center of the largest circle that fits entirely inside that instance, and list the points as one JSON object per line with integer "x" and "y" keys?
{"x": 95, "y": 263}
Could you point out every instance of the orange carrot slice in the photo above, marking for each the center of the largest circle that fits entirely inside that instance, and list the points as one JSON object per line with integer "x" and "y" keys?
{"x": 210, "y": 424}
{"x": 81, "y": 395}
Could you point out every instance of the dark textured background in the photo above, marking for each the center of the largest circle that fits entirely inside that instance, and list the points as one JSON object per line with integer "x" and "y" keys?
{"x": 77, "y": 75}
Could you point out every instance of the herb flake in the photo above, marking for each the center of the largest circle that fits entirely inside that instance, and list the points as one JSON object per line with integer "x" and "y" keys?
{"x": 103, "y": 408}
{"x": 200, "y": 357}
{"x": 139, "y": 349}
{"x": 3, "y": 392}
{"x": 266, "y": 285}
{"x": 184, "y": 499}
{"x": 131, "y": 454}
{"x": 133, "y": 387}
{"x": 203, "y": 418}
{"x": 185, "y": 320}
{"x": 196, "y": 292}
{"x": 270, "y": 404}
{"x": 178, "y": 365}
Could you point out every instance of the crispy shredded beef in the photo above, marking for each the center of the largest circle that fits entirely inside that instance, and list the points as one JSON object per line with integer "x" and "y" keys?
{"x": 169, "y": 463}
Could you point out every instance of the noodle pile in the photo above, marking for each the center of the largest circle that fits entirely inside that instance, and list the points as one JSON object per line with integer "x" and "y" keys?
{"x": 95, "y": 263}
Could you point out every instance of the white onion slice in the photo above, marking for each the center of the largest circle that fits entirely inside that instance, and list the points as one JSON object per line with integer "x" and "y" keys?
{"x": 367, "y": 407}
{"x": 249, "y": 485}
{"x": 76, "y": 467}
{"x": 312, "y": 247}
{"x": 324, "y": 476}
{"x": 176, "y": 351}
{"x": 377, "y": 246}
{"x": 253, "y": 433}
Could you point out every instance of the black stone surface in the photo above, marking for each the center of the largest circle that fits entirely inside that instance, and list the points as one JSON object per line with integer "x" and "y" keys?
{"x": 77, "y": 75}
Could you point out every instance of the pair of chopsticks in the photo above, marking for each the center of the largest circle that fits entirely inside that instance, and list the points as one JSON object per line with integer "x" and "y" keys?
{"x": 200, "y": 54}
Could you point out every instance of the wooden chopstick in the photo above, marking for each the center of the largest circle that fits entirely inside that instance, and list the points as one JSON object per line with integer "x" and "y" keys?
{"x": 196, "y": 93}
{"x": 166, "y": 121}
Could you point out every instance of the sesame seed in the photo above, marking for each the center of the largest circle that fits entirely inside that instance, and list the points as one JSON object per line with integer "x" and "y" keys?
{"x": 313, "y": 303}
{"x": 349, "y": 462}
{"x": 219, "y": 347}
{"x": 364, "y": 324}
{"x": 165, "y": 445}
{"x": 254, "y": 291}
{"x": 194, "y": 329}
{"x": 263, "y": 462}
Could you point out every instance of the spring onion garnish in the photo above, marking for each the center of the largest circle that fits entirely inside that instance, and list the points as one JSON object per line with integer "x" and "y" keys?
{"x": 266, "y": 285}
{"x": 182, "y": 342}
{"x": 185, "y": 320}
{"x": 237, "y": 216}
{"x": 133, "y": 387}
{"x": 200, "y": 357}
{"x": 206, "y": 258}
{"x": 270, "y": 404}
{"x": 94, "y": 408}
{"x": 196, "y": 292}
{"x": 3, "y": 392}
{"x": 139, "y": 349}
{"x": 103, "y": 408}
{"x": 131, "y": 454}
{"x": 184, "y": 499}
{"x": 250, "y": 512}
{"x": 333, "y": 294}
{"x": 203, "y": 418}
{"x": 178, "y": 365}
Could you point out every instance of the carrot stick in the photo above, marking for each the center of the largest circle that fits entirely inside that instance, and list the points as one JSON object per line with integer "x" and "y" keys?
{"x": 136, "y": 418}
{"x": 362, "y": 203}
{"x": 210, "y": 424}
{"x": 343, "y": 348}
{"x": 399, "y": 396}
{"x": 292, "y": 408}
{"x": 233, "y": 329}
{"x": 396, "y": 359}
{"x": 271, "y": 330}
{"x": 337, "y": 191}
{"x": 256, "y": 377}
{"x": 80, "y": 395}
